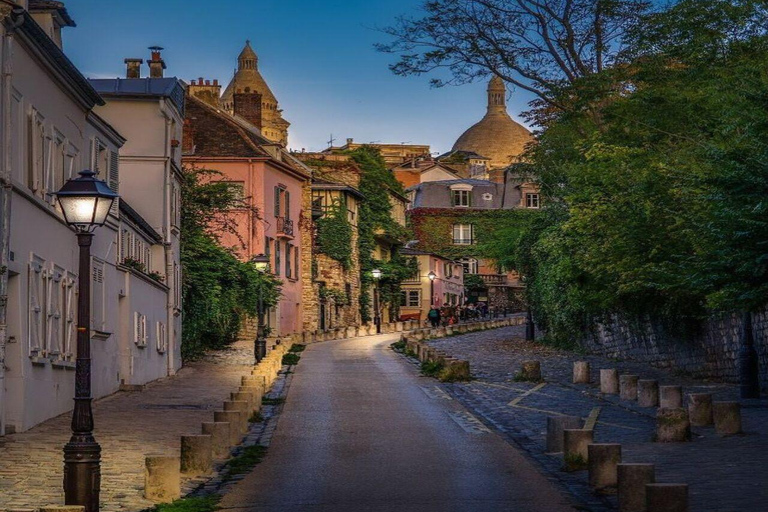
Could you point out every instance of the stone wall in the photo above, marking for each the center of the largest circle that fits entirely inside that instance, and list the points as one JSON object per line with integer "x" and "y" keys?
{"x": 714, "y": 353}
{"x": 310, "y": 301}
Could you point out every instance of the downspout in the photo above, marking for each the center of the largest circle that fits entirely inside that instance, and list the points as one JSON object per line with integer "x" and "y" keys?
{"x": 5, "y": 193}
{"x": 168, "y": 247}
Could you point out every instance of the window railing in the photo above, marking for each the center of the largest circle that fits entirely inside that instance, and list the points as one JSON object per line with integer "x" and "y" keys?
{"x": 284, "y": 226}
{"x": 463, "y": 241}
{"x": 494, "y": 279}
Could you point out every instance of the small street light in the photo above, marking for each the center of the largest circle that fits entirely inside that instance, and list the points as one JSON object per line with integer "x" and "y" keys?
{"x": 432, "y": 276}
{"x": 261, "y": 263}
{"x": 85, "y": 202}
{"x": 376, "y": 273}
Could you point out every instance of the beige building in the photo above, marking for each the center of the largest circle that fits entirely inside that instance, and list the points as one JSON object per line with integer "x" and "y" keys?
{"x": 50, "y": 131}
{"x": 420, "y": 293}
{"x": 393, "y": 154}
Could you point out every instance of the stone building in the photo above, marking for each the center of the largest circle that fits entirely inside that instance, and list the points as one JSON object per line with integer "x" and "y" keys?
{"x": 53, "y": 127}
{"x": 393, "y": 154}
{"x": 265, "y": 115}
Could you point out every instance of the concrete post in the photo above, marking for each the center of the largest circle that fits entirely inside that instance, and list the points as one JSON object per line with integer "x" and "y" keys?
{"x": 530, "y": 371}
{"x": 555, "y": 427}
{"x": 196, "y": 455}
{"x": 672, "y": 426}
{"x": 581, "y": 372}
{"x": 647, "y": 393}
{"x": 671, "y": 397}
{"x": 241, "y": 396}
{"x": 575, "y": 442}
{"x": 220, "y": 438}
{"x": 700, "y": 409}
{"x": 234, "y": 419}
{"x": 666, "y": 497}
{"x": 628, "y": 387}
{"x": 631, "y": 482}
{"x": 602, "y": 461}
{"x": 609, "y": 381}
{"x": 162, "y": 478}
{"x": 727, "y": 416}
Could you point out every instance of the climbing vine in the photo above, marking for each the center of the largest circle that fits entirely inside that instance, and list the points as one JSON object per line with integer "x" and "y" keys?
{"x": 334, "y": 234}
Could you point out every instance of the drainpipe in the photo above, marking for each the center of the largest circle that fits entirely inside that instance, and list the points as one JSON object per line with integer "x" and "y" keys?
{"x": 5, "y": 191}
{"x": 168, "y": 247}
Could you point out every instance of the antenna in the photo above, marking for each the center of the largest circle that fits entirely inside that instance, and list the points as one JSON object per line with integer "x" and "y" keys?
{"x": 330, "y": 142}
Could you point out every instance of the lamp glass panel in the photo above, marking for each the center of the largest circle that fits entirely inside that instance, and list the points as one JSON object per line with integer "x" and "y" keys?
{"x": 78, "y": 210}
{"x": 102, "y": 210}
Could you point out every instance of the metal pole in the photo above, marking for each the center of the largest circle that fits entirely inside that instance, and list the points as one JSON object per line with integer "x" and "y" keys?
{"x": 82, "y": 454}
{"x": 376, "y": 316}
{"x": 530, "y": 328}
{"x": 261, "y": 341}
{"x": 748, "y": 365}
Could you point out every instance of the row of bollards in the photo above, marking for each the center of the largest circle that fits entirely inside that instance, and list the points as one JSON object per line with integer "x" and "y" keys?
{"x": 198, "y": 452}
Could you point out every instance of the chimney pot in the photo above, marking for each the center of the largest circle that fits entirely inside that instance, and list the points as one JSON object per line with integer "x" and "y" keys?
{"x": 194, "y": 82}
{"x": 350, "y": 140}
{"x": 157, "y": 64}
{"x": 133, "y": 68}
{"x": 207, "y": 82}
{"x": 215, "y": 81}
{"x": 200, "y": 81}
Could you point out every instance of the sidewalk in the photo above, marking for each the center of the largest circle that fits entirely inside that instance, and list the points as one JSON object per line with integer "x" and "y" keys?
{"x": 724, "y": 474}
{"x": 129, "y": 425}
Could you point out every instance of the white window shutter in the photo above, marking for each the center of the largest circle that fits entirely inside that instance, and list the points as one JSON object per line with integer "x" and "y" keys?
{"x": 35, "y": 306}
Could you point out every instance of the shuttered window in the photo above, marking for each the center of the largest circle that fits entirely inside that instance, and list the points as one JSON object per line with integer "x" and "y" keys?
{"x": 287, "y": 205}
{"x": 70, "y": 316}
{"x": 98, "y": 320}
{"x": 278, "y": 192}
{"x": 55, "y": 318}
{"x": 140, "y": 329}
{"x": 36, "y": 305}
{"x": 162, "y": 341}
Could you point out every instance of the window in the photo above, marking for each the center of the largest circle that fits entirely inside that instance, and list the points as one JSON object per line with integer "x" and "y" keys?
{"x": 162, "y": 340}
{"x": 55, "y": 320}
{"x": 287, "y": 201}
{"x": 58, "y": 171}
{"x": 36, "y": 305}
{"x": 288, "y": 260}
{"x": 463, "y": 234}
{"x": 175, "y": 205}
{"x": 70, "y": 319}
{"x": 268, "y": 250}
{"x": 134, "y": 251}
{"x": 278, "y": 199}
{"x": 447, "y": 270}
{"x": 38, "y": 151}
{"x": 531, "y": 200}
{"x": 410, "y": 298}
{"x": 296, "y": 262}
{"x": 98, "y": 318}
{"x": 461, "y": 198}
{"x": 139, "y": 329}
{"x": 470, "y": 265}
{"x": 17, "y": 137}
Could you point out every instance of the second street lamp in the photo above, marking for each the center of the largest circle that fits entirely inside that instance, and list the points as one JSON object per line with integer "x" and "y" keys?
{"x": 432, "y": 276}
{"x": 376, "y": 273}
{"x": 261, "y": 262}
{"x": 85, "y": 202}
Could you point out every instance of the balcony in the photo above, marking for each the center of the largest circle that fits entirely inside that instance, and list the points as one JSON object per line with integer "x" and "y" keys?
{"x": 494, "y": 279}
{"x": 284, "y": 227}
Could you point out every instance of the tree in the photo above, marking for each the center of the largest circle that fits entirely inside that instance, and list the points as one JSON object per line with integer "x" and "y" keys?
{"x": 541, "y": 46}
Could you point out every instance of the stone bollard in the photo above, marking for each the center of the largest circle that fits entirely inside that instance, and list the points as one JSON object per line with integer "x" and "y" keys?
{"x": 670, "y": 397}
{"x": 631, "y": 482}
{"x": 666, "y": 497}
{"x": 727, "y": 416}
{"x": 233, "y": 418}
{"x": 555, "y": 427}
{"x": 61, "y": 508}
{"x": 196, "y": 455}
{"x": 647, "y": 393}
{"x": 162, "y": 478}
{"x": 672, "y": 426}
{"x": 255, "y": 394}
{"x": 628, "y": 387}
{"x": 575, "y": 451}
{"x": 241, "y": 396}
{"x": 700, "y": 409}
{"x": 244, "y": 410}
{"x": 602, "y": 461}
{"x": 581, "y": 372}
{"x": 609, "y": 381}
{"x": 529, "y": 371}
{"x": 220, "y": 438}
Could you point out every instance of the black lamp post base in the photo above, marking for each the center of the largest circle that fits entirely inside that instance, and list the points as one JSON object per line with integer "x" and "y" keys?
{"x": 82, "y": 472}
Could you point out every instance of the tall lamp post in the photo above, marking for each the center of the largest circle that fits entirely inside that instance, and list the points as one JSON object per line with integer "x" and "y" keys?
{"x": 376, "y": 273}
{"x": 85, "y": 202}
{"x": 432, "y": 276}
{"x": 261, "y": 262}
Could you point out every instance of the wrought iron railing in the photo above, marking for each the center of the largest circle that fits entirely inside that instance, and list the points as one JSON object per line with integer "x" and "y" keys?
{"x": 284, "y": 226}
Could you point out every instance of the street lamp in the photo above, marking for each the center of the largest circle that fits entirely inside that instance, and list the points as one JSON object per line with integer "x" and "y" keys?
{"x": 376, "y": 273}
{"x": 261, "y": 262}
{"x": 432, "y": 276}
{"x": 748, "y": 362}
{"x": 85, "y": 203}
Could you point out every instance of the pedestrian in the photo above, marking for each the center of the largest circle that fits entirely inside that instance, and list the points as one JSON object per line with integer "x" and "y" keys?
{"x": 434, "y": 317}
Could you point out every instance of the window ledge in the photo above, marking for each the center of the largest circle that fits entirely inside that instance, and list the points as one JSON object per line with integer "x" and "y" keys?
{"x": 39, "y": 361}
{"x": 64, "y": 365}
{"x": 100, "y": 335}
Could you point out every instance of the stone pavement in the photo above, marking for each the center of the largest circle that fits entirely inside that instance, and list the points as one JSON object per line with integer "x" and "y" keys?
{"x": 725, "y": 474}
{"x": 129, "y": 425}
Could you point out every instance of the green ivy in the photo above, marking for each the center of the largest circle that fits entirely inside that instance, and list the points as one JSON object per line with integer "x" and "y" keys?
{"x": 334, "y": 234}
{"x": 340, "y": 298}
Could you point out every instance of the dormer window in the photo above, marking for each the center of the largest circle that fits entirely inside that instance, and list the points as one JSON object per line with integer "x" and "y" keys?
{"x": 461, "y": 198}
{"x": 532, "y": 200}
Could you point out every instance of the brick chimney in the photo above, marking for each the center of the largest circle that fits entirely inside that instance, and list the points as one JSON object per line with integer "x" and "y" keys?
{"x": 133, "y": 68}
{"x": 248, "y": 106}
{"x": 205, "y": 90}
{"x": 156, "y": 63}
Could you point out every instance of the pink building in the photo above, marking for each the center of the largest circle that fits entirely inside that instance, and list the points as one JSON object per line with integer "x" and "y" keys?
{"x": 271, "y": 183}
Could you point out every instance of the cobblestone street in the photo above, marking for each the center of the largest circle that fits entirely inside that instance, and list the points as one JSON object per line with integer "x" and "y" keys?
{"x": 724, "y": 474}
{"x": 129, "y": 425}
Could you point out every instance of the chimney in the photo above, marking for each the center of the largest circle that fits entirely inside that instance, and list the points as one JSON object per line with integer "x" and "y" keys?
{"x": 133, "y": 68}
{"x": 349, "y": 141}
{"x": 203, "y": 89}
{"x": 156, "y": 63}
{"x": 248, "y": 106}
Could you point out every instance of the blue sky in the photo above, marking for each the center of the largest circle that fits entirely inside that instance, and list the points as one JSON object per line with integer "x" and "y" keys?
{"x": 316, "y": 55}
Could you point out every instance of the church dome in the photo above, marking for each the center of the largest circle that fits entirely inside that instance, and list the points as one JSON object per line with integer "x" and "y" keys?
{"x": 248, "y": 79}
{"x": 497, "y": 136}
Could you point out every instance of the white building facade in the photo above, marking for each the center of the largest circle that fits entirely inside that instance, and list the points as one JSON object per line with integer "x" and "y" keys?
{"x": 50, "y": 132}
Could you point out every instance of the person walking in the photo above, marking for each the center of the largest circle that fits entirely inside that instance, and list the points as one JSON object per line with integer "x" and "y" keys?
{"x": 434, "y": 317}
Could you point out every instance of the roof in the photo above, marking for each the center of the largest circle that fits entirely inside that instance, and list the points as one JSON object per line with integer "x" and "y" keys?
{"x": 462, "y": 153}
{"x": 171, "y": 88}
{"x": 447, "y": 183}
{"x": 51, "y": 5}
{"x": 320, "y": 184}
{"x": 138, "y": 220}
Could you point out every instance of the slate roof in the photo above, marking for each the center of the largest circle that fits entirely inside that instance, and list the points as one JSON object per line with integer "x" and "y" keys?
{"x": 171, "y": 88}
{"x": 138, "y": 220}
